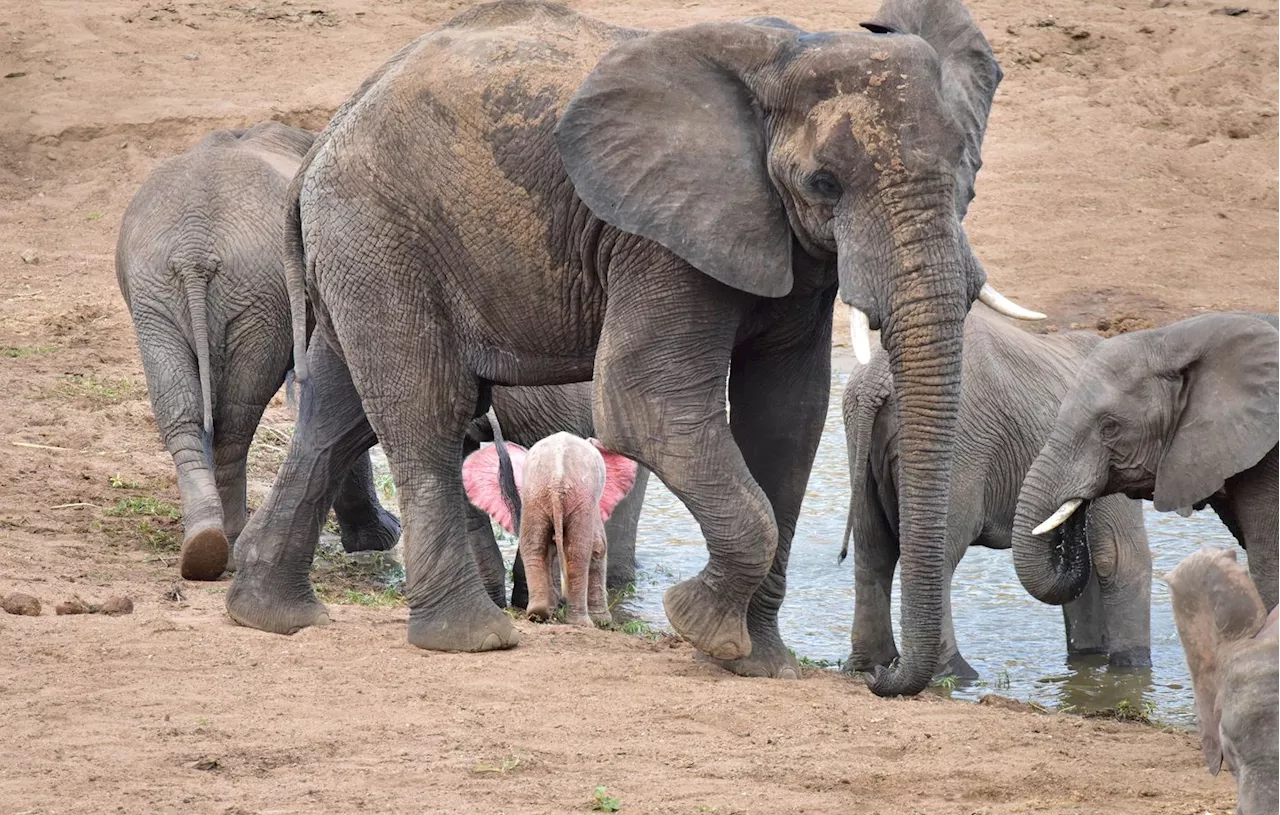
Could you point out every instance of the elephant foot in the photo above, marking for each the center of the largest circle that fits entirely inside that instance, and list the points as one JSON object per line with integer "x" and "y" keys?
{"x": 769, "y": 659}
{"x": 956, "y": 666}
{"x": 603, "y": 619}
{"x": 462, "y": 625}
{"x": 379, "y": 535}
{"x": 1129, "y": 658}
{"x": 204, "y": 554}
{"x": 579, "y": 620}
{"x": 699, "y": 614}
{"x": 274, "y": 613}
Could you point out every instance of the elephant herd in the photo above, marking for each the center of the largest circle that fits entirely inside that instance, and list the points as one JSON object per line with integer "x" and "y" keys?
{"x": 638, "y": 236}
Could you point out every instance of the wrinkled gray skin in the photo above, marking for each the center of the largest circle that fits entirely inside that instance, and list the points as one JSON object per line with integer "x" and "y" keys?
{"x": 527, "y": 415}
{"x": 1013, "y": 382}
{"x": 531, "y": 196}
{"x": 200, "y": 264}
{"x": 1184, "y": 415}
{"x": 1233, "y": 653}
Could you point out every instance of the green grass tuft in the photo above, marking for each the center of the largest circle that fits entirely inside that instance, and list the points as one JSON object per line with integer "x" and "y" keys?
{"x": 145, "y": 506}
{"x": 94, "y": 393}
{"x": 26, "y": 351}
{"x": 602, "y": 801}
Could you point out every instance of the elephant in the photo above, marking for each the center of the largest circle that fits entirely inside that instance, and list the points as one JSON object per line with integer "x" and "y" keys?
{"x": 528, "y": 195}
{"x": 557, "y": 495}
{"x": 1011, "y": 385}
{"x": 1184, "y": 416}
{"x": 200, "y": 264}
{"x": 1232, "y": 648}
{"x": 529, "y": 414}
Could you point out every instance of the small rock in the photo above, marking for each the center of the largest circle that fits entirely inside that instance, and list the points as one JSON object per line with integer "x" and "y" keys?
{"x": 1081, "y": 34}
{"x": 1035, "y": 56}
{"x": 15, "y": 74}
{"x": 206, "y": 764}
{"x": 23, "y": 604}
{"x": 1161, "y": 3}
{"x": 192, "y": 57}
{"x": 30, "y": 256}
{"x": 1146, "y": 29}
{"x": 116, "y": 606}
{"x": 73, "y": 606}
{"x": 1231, "y": 11}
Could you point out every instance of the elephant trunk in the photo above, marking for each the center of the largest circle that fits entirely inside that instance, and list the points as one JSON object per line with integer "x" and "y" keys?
{"x": 1053, "y": 567}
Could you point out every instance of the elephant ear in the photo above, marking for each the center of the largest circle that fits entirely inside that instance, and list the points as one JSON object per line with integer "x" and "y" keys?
{"x": 1226, "y": 418}
{"x": 665, "y": 140}
{"x": 619, "y": 478}
{"x": 480, "y": 479}
{"x": 970, "y": 73}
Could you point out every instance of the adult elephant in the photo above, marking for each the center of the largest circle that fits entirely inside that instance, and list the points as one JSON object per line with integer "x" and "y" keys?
{"x": 527, "y": 415}
{"x": 531, "y": 196}
{"x": 1012, "y": 385}
{"x": 1185, "y": 416}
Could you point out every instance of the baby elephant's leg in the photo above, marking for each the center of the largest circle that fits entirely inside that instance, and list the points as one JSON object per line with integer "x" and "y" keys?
{"x": 597, "y": 596}
{"x": 535, "y": 542}
{"x": 580, "y": 534}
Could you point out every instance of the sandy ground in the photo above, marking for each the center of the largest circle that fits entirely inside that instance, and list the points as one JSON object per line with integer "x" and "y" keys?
{"x": 1130, "y": 178}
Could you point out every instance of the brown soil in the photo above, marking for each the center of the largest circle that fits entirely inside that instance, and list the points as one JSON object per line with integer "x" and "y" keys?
{"x": 1130, "y": 177}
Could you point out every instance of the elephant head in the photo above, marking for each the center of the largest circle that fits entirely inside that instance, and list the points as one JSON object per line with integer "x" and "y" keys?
{"x": 1231, "y": 648}
{"x": 1164, "y": 414}
{"x": 760, "y": 153}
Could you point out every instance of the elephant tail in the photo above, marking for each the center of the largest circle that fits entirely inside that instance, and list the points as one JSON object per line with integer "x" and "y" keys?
{"x": 506, "y": 472}
{"x": 195, "y": 284}
{"x": 295, "y": 276}
{"x": 557, "y": 532}
{"x": 869, "y": 395}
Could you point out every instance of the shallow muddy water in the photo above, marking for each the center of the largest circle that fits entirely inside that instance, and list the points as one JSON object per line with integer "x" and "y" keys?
{"x": 1016, "y": 644}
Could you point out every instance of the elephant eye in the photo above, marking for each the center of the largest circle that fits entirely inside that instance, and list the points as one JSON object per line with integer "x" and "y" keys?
{"x": 1109, "y": 427}
{"x": 825, "y": 185}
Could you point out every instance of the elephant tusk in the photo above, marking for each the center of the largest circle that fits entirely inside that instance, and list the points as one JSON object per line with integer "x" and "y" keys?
{"x": 1005, "y": 306}
{"x": 860, "y": 334}
{"x": 1058, "y": 518}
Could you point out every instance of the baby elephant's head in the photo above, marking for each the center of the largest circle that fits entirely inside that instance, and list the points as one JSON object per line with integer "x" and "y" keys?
{"x": 1231, "y": 647}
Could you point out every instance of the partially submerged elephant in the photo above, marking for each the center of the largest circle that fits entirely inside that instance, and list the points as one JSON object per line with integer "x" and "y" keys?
{"x": 1185, "y": 416}
{"x": 556, "y": 496}
{"x": 1232, "y": 648}
{"x": 200, "y": 264}
{"x": 1012, "y": 384}
{"x": 528, "y": 195}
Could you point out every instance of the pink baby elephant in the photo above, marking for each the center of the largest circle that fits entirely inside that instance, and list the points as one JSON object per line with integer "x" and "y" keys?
{"x": 567, "y": 487}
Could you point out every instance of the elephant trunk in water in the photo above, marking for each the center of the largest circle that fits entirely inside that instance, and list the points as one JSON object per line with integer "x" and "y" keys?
{"x": 1054, "y": 565}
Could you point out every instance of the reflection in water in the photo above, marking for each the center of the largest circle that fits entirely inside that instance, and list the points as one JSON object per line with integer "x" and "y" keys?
{"x": 1016, "y": 644}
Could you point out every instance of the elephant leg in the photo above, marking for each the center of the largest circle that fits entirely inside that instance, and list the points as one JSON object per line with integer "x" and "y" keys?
{"x": 421, "y": 418}
{"x": 779, "y": 390}
{"x": 1122, "y": 570}
{"x": 272, "y": 587}
{"x": 1084, "y": 621}
{"x": 950, "y": 661}
{"x": 875, "y": 556}
{"x": 580, "y": 534}
{"x": 537, "y": 542}
{"x": 620, "y": 530}
{"x": 174, "y": 386}
{"x": 365, "y": 525}
{"x": 488, "y": 557}
{"x": 661, "y": 370}
{"x": 597, "y": 586}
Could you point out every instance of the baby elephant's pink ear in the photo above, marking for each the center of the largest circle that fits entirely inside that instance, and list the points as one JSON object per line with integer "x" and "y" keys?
{"x": 480, "y": 479}
{"x": 619, "y": 478}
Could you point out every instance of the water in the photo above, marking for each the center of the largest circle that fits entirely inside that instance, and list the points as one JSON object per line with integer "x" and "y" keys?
{"x": 1016, "y": 643}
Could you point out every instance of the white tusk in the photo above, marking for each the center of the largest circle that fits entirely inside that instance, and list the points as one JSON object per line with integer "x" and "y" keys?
{"x": 1005, "y": 306}
{"x": 1058, "y": 518}
{"x": 860, "y": 334}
